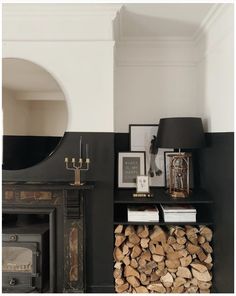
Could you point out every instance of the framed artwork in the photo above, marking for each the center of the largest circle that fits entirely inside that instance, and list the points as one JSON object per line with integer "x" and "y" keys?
{"x": 167, "y": 170}
{"x": 142, "y": 184}
{"x": 130, "y": 165}
{"x": 143, "y": 138}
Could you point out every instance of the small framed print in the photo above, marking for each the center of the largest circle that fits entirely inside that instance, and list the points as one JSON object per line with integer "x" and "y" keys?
{"x": 130, "y": 165}
{"x": 142, "y": 184}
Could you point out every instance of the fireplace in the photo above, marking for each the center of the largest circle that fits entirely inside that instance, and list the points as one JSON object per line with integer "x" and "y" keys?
{"x": 43, "y": 237}
{"x": 25, "y": 258}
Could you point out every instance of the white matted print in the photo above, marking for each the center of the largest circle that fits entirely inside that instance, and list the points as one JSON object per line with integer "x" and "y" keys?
{"x": 130, "y": 165}
{"x": 143, "y": 138}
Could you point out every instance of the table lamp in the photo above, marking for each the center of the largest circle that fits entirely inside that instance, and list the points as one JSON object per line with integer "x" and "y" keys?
{"x": 180, "y": 133}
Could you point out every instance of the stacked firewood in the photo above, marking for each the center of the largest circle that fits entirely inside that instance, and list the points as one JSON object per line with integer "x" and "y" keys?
{"x": 153, "y": 260}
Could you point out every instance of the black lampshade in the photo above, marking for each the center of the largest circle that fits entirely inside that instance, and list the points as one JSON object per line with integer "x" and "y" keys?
{"x": 181, "y": 133}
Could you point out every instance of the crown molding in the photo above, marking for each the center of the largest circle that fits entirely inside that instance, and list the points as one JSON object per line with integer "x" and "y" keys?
{"x": 59, "y": 10}
{"x": 214, "y": 13}
{"x": 61, "y": 22}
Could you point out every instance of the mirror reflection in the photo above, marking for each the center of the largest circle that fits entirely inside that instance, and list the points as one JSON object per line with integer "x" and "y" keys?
{"x": 34, "y": 114}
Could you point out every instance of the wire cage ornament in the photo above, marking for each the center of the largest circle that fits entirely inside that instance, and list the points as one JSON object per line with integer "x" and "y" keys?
{"x": 179, "y": 175}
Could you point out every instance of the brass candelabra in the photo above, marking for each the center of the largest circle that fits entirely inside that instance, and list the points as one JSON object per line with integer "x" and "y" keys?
{"x": 79, "y": 165}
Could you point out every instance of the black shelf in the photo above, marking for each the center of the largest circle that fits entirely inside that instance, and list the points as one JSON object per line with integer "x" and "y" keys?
{"x": 124, "y": 196}
{"x": 163, "y": 223}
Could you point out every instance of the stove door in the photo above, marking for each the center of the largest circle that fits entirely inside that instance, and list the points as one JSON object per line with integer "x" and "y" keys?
{"x": 19, "y": 264}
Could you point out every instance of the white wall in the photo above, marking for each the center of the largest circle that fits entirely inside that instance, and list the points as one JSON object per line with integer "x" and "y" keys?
{"x": 178, "y": 78}
{"x": 76, "y": 47}
{"x": 151, "y": 83}
{"x": 215, "y": 72}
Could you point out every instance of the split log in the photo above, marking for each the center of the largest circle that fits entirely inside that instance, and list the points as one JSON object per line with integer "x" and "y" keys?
{"x": 167, "y": 280}
{"x": 158, "y": 234}
{"x": 120, "y": 238}
{"x": 129, "y": 230}
{"x": 125, "y": 250}
{"x": 192, "y": 249}
{"x": 206, "y": 232}
{"x": 208, "y": 259}
{"x": 136, "y": 251}
{"x": 119, "y": 281}
{"x": 134, "y": 239}
{"x": 134, "y": 263}
{"x": 184, "y": 272}
{"x": 126, "y": 260}
{"x": 199, "y": 267}
{"x": 201, "y": 276}
{"x": 129, "y": 271}
{"x": 144, "y": 242}
{"x": 157, "y": 258}
{"x": 172, "y": 263}
{"x": 122, "y": 288}
{"x": 117, "y": 254}
{"x": 143, "y": 231}
{"x": 181, "y": 240}
{"x": 159, "y": 250}
{"x": 133, "y": 281}
{"x": 157, "y": 288}
{"x": 204, "y": 285}
{"x": 179, "y": 281}
{"x": 119, "y": 229}
{"x": 206, "y": 246}
{"x": 185, "y": 261}
{"x": 178, "y": 289}
{"x": 141, "y": 289}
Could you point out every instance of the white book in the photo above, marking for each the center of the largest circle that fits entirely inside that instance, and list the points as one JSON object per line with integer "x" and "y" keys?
{"x": 143, "y": 214}
{"x": 180, "y": 218}
{"x": 184, "y": 208}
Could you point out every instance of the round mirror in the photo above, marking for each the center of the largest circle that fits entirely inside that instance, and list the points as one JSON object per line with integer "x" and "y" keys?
{"x": 34, "y": 114}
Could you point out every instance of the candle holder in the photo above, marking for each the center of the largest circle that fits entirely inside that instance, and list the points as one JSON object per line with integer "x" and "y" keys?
{"x": 82, "y": 165}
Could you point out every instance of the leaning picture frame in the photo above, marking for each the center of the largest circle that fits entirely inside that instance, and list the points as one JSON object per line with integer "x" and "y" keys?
{"x": 130, "y": 165}
{"x": 143, "y": 138}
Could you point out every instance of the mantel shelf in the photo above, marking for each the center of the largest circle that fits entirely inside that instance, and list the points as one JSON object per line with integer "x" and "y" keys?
{"x": 48, "y": 185}
{"x": 124, "y": 196}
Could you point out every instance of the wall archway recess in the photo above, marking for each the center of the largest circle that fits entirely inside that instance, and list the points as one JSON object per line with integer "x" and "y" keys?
{"x": 35, "y": 114}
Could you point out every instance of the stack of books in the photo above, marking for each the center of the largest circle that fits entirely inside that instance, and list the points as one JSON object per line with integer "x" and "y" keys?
{"x": 179, "y": 213}
{"x": 143, "y": 214}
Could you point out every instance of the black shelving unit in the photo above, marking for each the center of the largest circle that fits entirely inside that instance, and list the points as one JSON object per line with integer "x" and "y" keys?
{"x": 198, "y": 198}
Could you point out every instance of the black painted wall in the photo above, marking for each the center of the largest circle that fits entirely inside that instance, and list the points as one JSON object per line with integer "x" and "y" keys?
{"x": 214, "y": 172}
{"x": 216, "y": 167}
{"x": 99, "y": 204}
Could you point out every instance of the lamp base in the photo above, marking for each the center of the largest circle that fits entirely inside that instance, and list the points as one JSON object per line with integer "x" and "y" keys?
{"x": 178, "y": 194}
{"x": 77, "y": 184}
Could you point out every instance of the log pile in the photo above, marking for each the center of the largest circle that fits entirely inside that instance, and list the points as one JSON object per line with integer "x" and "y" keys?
{"x": 153, "y": 260}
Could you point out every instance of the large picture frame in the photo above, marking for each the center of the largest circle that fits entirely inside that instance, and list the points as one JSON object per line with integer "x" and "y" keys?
{"x": 143, "y": 138}
{"x": 130, "y": 165}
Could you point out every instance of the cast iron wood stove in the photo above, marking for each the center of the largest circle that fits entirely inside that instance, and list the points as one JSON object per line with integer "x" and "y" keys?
{"x": 25, "y": 258}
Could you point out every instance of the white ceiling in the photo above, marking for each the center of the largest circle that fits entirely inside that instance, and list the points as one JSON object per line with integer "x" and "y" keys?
{"x": 23, "y": 76}
{"x": 162, "y": 20}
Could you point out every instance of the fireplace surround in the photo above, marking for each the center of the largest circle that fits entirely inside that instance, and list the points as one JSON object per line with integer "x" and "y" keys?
{"x": 62, "y": 236}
